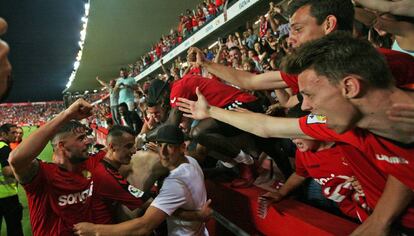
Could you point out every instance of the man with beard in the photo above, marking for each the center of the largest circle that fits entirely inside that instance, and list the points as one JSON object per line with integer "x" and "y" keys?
{"x": 59, "y": 193}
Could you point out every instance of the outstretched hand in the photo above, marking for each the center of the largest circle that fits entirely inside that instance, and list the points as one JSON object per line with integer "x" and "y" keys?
{"x": 265, "y": 200}
{"x": 197, "y": 110}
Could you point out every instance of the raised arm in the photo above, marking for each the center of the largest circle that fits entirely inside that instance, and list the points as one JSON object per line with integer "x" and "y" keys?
{"x": 163, "y": 68}
{"x": 396, "y": 7}
{"x": 174, "y": 117}
{"x": 255, "y": 123}
{"x": 5, "y": 66}
{"x": 22, "y": 159}
{"x": 243, "y": 79}
{"x": 102, "y": 82}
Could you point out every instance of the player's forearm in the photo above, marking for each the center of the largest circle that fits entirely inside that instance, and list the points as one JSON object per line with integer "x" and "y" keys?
{"x": 188, "y": 215}
{"x": 33, "y": 145}
{"x": 394, "y": 200}
{"x": 259, "y": 124}
{"x": 128, "y": 228}
{"x": 282, "y": 96}
{"x": 229, "y": 74}
{"x": 240, "y": 120}
{"x": 293, "y": 182}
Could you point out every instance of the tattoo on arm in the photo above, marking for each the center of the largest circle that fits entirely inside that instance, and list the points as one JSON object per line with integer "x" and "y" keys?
{"x": 30, "y": 174}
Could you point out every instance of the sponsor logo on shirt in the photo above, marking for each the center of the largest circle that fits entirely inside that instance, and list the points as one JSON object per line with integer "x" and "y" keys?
{"x": 135, "y": 192}
{"x": 173, "y": 100}
{"x": 87, "y": 174}
{"x": 316, "y": 119}
{"x": 392, "y": 160}
{"x": 323, "y": 181}
{"x": 74, "y": 198}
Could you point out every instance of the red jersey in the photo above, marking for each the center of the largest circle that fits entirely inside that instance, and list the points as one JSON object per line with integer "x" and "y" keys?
{"x": 109, "y": 188}
{"x": 212, "y": 9}
{"x": 216, "y": 93}
{"x": 291, "y": 81}
{"x": 371, "y": 158}
{"x": 401, "y": 66}
{"x": 331, "y": 170}
{"x": 58, "y": 198}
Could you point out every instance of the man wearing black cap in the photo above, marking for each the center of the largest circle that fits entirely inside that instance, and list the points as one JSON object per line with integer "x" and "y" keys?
{"x": 184, "y": 188}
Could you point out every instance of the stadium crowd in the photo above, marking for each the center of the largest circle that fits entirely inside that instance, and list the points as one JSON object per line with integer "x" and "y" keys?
{"x": 189, "y": 22}
{"x": 31, "y": 113}
{"x": 321, "y": 89}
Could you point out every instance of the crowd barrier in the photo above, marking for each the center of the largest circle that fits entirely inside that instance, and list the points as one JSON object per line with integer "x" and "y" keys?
{"x": 239, "y": 206}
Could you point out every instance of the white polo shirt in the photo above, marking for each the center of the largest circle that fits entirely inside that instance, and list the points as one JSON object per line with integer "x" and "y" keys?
{"x": 183, "y": 188}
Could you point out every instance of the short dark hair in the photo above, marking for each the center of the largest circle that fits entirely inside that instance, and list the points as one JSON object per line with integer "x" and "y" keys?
{"x": 119, "y": 130}
{"x": 123, "y": 105}
{"x": 343, "y": 10}
{"x": 5, "y": 128}
{"x": 68, "y": 127}
{"x": 338, "y": 55}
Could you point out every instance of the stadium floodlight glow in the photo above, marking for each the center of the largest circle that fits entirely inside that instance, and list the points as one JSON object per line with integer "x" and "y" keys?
{"x": 79, "y": 56}
{"x": 83, "y": 35}
{"x": 95, "y": 91}
{"x": 81, "y": 43}
{"x": 87, "y": 9}
{"x": 76, "y": 65}
{"x": 212, "y": 45}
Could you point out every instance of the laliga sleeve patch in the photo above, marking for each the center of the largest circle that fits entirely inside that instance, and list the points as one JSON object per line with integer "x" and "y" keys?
{"x": 135, "y": 192}
{"x": 315, "y": 119}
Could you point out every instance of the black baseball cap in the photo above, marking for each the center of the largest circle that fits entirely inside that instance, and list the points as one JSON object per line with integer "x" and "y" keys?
{"x": 170, "y": 134}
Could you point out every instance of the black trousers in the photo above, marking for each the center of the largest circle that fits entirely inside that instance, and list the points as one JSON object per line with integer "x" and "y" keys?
{"x": 12, "y": 212}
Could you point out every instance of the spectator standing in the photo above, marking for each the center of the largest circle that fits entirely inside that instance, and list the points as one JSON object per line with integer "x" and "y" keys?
{"x": 126, "y": 86}
{"x": 113, "y": 98}
{"x": 10, "y": 207}
{"x": 129, "y": 118}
